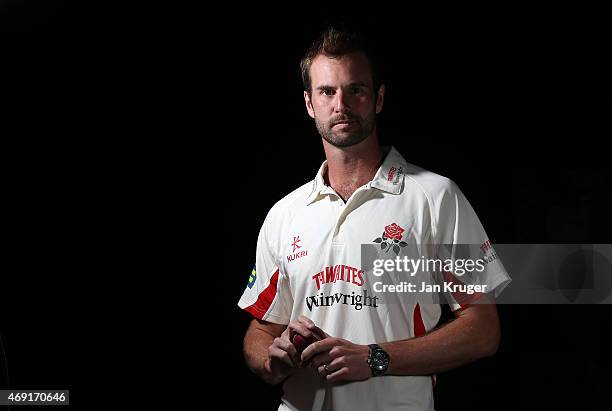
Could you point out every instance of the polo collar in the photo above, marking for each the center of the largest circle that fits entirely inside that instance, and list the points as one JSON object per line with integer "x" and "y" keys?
{"x": 388, "y": 178}
{"x": 390, "y": 175}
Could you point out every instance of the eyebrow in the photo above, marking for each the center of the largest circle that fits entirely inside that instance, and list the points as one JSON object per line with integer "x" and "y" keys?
{"x": 357, "y": 83}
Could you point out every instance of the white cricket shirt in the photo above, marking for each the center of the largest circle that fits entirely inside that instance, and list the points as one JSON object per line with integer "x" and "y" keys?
{"x": 308, "y": 262}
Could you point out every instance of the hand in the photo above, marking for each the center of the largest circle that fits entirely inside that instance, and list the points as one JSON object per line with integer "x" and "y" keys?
{"x": 283, "y": 357}
{"x": 345, "y": 361}
{"x": 307, "y": 329}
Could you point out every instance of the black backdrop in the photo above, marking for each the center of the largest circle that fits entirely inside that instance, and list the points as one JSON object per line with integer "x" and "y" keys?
{"x": 145, "y": 144}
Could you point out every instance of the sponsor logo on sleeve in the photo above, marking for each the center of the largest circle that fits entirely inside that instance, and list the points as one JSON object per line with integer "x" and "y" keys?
{"x": 252, "y": 278}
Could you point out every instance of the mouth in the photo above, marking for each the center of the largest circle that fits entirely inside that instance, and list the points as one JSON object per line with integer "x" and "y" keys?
{"x": 343, "y": 123}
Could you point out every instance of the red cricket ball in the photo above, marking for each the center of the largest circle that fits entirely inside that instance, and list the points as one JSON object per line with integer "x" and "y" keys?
{"x": 301, "y": 343}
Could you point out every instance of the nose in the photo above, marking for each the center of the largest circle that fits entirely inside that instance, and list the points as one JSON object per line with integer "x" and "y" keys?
{"x": 341, "y": 103}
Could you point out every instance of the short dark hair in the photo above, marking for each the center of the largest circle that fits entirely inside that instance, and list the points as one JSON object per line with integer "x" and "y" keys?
{"x": 335, "y": 42}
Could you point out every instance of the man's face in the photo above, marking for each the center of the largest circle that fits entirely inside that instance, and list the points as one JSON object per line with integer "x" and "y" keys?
{"x": 343, "y": 103}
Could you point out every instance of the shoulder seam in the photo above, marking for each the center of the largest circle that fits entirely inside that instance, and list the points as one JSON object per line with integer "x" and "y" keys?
{"x": 430, "y": 204}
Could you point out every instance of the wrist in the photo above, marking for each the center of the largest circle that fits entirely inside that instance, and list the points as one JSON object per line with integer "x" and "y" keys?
{"x": 378, "y": 360}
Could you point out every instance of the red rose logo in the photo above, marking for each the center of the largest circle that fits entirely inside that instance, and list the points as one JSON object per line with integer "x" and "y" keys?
{"x": 391, "y": 239}
{"x": 394, "y": 231}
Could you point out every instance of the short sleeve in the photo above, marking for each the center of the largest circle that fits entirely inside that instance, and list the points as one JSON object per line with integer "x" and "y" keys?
{"x": 459, "y": 235}
{"x": 267, "y": 295}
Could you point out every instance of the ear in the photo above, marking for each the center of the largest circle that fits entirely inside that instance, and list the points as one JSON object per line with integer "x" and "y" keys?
{"x": 309, "y": 107}
{"x": 380, "y": 98}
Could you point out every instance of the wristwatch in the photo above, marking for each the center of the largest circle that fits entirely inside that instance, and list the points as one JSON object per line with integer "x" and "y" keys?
{"x": 378, "y": 360}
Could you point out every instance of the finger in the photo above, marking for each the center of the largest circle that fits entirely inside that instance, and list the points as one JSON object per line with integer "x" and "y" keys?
{"x": 310, "y": 351}
{"x": 312, "y": 327}
{"x": 287, "y": 332}
{"x": 319, "y": 333}
{"x": 319, "y": 359}
{"x": 276, "y": 353}
{"x": 297, "y": 327}
{"x": 318, "y": 347}
{"x": 330, "y": 367}
{"x": 338, "y": 375}
{"x": 285, "y": 345}
{"x": 306, "y": 321}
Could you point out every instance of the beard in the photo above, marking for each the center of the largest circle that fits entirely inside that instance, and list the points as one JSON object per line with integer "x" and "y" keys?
{"x": 361, "y": 129}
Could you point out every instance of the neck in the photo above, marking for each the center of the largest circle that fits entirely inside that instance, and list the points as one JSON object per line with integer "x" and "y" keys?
{"x": 348, "y": 168}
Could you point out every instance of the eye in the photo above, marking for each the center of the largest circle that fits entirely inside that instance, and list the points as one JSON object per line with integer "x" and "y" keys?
{"x": 327, "y": 92}
{"x": 356, "y": 90}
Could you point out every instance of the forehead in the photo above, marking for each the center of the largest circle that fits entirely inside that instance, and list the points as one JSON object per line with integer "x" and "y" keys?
{"x": 353, "y": 67}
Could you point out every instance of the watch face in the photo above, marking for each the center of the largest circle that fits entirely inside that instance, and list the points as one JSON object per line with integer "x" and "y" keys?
{"x": 379, "y": 361}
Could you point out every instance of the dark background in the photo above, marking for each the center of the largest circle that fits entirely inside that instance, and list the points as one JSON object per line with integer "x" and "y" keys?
{"x": 145, "y": 143}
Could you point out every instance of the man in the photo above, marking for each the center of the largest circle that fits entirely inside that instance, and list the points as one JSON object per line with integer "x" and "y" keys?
{"x": 370, "y": 351}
